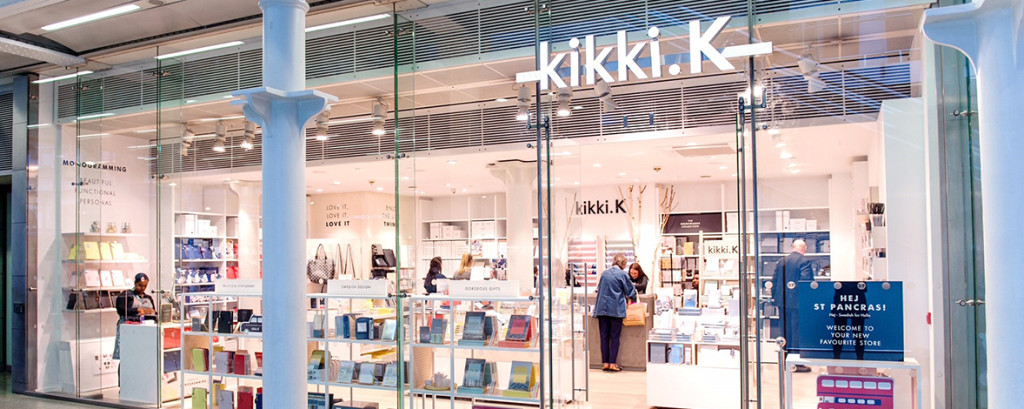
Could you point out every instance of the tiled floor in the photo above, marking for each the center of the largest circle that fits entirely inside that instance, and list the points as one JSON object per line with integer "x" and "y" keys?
{"x": 9, "y": 400}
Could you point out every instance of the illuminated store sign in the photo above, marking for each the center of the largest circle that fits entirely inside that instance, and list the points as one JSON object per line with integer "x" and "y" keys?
{"x": 593, "y": 64}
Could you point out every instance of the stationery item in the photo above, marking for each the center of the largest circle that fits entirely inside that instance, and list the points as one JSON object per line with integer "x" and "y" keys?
{"x": 366, "y": 373}
{"x": 519, "y": 333}
{"x": 391, "y": 375}
{"x": 172, "y": 337}
{"x": 342, "y": 326}
{"x": 172, "y": 361}
{"x": 241, "y": 365}
{"x": 521, "y": 380}
{"x": 244, "y": 315}
{"x": 73, "y": 252}
{"x": 314, "y": 371}
{"x": 424, "y": 334}
{"x": 225, "y": 322}
{"x": 200, "y": 357}
{"x": 473, "y": 328}
{"x": 106, "y": 280}
{"x": 438, "y": 327}
{"x": 319, "y": 325}
{"x": 92, "y": 250}
{"x": 223, "y": 362}
{"x": 388, "y": 331}
{"x": 199, "y": 398}
{"x": 117, "y": 250}
{"x": 105, "y": 301}
{"x": 364, "y": 327}
{"x": 73, "y": 301}
{"x": 105, "y": 253}
{"x": 92, "y": 278}
{"x": 245, "y": 397}
{"x": 473, "y": 375}
{"x": 346, "y": 371}
{"x": 320, "y": 400}
{"x": 225, "y": 399}
{"x": 92, "y": 300}
{"x": 117, "y": 278}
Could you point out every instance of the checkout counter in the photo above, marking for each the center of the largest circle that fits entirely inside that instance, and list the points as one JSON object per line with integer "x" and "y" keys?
{"x": 632, "y": 342}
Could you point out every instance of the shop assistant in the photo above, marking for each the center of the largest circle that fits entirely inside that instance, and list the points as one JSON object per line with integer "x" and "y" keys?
{"x": 133, "y": 306}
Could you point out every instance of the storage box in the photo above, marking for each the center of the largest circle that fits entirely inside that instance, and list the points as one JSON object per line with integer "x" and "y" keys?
{"x": 483, "y": 229}
{"x": 436, "y": 230}
{"x": 188, "y": 225}
{"x": 448, "y": 232}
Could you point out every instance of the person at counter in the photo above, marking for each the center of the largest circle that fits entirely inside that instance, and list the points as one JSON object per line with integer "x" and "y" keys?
{"x": 639, "y": 279}
{"x": 465, "y": 269}
{"x": 794, "y": 268}
{"x": 433, "y": 274}
{"x": 133, "y": 306}
{"x": 613, "y": 288}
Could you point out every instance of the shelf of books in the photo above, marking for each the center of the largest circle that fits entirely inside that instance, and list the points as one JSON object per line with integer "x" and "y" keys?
{"x": 476, "y": 349}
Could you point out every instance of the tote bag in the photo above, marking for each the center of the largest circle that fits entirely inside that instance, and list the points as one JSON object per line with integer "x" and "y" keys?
{"x": 636, "y": 315}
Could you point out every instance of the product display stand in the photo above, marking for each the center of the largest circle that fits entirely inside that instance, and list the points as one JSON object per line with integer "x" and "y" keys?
{"x": 515, "y": 368}
{"x": 909, "y": 365}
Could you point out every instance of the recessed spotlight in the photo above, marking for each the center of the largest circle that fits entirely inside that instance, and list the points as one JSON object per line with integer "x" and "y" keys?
{"x": 723, "y": 167}
{"x": 785, "y": 155}
{"x": 501, "y": 100}
{"x": 172, "y": 184}
{"x": 405, "y": 178}
{"x": 576, "y": 183}
{"x": 319, "y": 190}
{"x": 227, "y": 179}
{"x": 483, "y": 197}
{"x": 447, "y": 185}
{"x": 774, "y": 131}
{"x": 337, "y": 182}
{"x": 597, "y": 165}
{"x": 780, "y": 144}
{"x": 452, "y": 162}
{"x": 380, "y": 189}
{"x": 691, "y": 144}
{"x": 622, "y": 173}
{"x": 311, "y": 202}
{"x": 794, "y": 171}
{"x": 208, "y": 209}
{"x": 791, "y": 164}
{"x": 464, "y": 190}
{"x": 733, "y": 175}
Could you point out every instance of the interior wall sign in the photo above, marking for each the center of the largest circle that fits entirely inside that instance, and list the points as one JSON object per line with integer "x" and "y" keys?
{"x": 593, "y": 64}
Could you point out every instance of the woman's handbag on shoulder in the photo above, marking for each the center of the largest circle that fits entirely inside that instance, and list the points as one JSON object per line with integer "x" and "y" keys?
{"x": 636, "y": 314}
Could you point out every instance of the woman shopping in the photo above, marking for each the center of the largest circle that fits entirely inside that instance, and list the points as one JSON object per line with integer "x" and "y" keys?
{"x": 613, "y": 289}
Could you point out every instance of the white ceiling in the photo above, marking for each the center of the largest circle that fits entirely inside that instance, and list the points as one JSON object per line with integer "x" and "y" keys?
{"x": 817, "y": 150}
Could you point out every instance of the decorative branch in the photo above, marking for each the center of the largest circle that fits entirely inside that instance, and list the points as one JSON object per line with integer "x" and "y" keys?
{"x": 634, "y": 208}
{"x": 666, "y": 204}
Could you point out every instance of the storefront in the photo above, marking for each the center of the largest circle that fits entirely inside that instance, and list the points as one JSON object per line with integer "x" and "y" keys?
{"x": 709, "y": 143}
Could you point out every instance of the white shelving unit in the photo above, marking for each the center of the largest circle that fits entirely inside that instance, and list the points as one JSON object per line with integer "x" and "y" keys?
{"x": 451, "y": 226}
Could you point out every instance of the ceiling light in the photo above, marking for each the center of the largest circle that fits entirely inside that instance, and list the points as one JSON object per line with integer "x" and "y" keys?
{"x": 756, "y": 99}
{"x": 380, "y": 113}
{"x": 227, "y": 179}
{"x": 321, "y": 124}
{"x": 577, "y": 107}
{"x": 576, "y": 183}
{"x": 223, "y": 118}
{"x": 94, "y": 116}
{"x": 723, "y": 167}
{"x": 405, "y": 178}
{"x": 810, "y": 68}
{"x": 247, "y": 144}
{"x": 501, "y": 100}
{"x": 785, "y": 155}
{"x": 93, "y": 135}
{"x": 199, "y": 50}
{"x": 734, "y": 175}
{"x": 622, "y": 173}
{"x": 42, "y": 125}
{"x": 62, "y": 77}
{"x": 172, "y": 184}
{"x": 100, "y": 15}
{"x": 319, "y": 190}
{"x": 604, "y": 93}
{"x": 464, "y": 190}
{"x": 597, "y": 165}
{"x": 794, "y": 171}
{"x": 221, "y": 135}
{"x": 189, "y": 101}
{"x": 348, "y": 22}
{"x": 380, "y": 189}
{"x": 774, "y": 131}
{"x": 452, "y": 162}
{"x": 151, "y": 130}
{"x": 249, "y": 137}
{"x": 184, "y": 148}
{"x": 523, "y": 102}
{"x": 336, "y": 182}
{"x": 792, "y": 164}
{"x": 219, "y": 147}
{"x": 564, "y": 101}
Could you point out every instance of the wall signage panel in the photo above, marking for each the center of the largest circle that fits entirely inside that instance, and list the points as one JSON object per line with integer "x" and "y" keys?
{"x": 694, "y": 223}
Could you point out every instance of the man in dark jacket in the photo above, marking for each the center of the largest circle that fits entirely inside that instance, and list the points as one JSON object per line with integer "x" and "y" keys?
{"x": 794, "y": 268}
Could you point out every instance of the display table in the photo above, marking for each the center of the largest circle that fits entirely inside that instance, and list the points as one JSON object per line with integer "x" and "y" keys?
{"x": 632, "y": 342}
{"x": 140, "y": 367}
{"x": 910, "y": 365}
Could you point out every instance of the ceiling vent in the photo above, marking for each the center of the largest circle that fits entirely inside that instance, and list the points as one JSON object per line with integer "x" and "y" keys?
{"x": 711, "y": 149}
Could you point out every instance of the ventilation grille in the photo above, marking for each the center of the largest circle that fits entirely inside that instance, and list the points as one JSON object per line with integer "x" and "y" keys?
{"x": 852, "y": 92}
{"x": 486, "y": 30}
{"x": 6, "y": 131}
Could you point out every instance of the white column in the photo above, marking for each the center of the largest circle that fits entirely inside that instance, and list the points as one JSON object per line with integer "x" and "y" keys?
{"x": 248, "y": 233}
{"x": 282, "y": 107}
{"x": 991, "y": 34}
{"x": 518, "y": 177}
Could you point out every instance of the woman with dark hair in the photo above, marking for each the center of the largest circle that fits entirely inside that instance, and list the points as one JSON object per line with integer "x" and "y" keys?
{"x": 434, "y": 274}
{"x": 639, "y": 279}
{"x": 133, "y": 305}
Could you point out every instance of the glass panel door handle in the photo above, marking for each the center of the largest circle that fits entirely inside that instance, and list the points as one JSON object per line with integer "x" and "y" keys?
{"x": 970, "y": 303}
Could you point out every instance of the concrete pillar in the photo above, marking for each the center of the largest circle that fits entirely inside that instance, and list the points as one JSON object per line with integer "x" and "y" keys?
{"x": 518, "y": 177}
{"x": 282, "y": 107}
{"x": 991, "y": 34}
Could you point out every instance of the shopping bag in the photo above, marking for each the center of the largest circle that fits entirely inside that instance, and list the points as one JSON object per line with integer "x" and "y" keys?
{"x": 636, "y": 314}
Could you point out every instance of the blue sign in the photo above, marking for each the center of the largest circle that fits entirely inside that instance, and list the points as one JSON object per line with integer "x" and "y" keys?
{"x": 850, "y": 320}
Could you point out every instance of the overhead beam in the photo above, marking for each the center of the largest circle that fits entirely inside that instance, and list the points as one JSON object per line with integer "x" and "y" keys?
{"x": 35, "y": 52}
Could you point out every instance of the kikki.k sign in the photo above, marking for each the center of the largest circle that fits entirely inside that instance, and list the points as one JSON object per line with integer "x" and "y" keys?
{"x": 593, "y": 65}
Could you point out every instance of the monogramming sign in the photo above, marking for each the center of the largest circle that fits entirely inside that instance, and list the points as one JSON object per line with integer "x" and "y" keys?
{"x": 483, "y": 289}
{"x": 367, "y": 288}
{"x": 238, "y": 286}
{"x": 594, "y": 61}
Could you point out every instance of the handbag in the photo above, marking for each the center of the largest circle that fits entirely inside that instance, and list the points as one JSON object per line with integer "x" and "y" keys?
{"x": 636, "y": 314}
{"x": 319, "y": 270}
{"x": 348, "y": 261}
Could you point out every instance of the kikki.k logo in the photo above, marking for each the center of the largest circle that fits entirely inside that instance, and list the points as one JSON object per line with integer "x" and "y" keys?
{"x": 587, "y": 207}
{"x": 700, "y": 46}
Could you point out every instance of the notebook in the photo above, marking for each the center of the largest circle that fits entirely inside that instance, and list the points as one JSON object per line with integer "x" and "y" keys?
{"x": 105, "y": 253}
{"x": 199, "y": 398}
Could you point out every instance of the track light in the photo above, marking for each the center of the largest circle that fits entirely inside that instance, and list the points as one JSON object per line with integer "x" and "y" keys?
{"x": 379, "y": 116}
{"x": 523, "y": 102}
{"x": 564, "y": 100}
{"x": 811, "y": 70}
{"x": 604, "y": 93}
{"x": 188, "y": 136}
{"x": 221, "y": 134}
{"x": 184, "y": 148}
{"x": 250, "y": 135}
